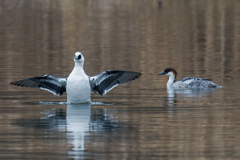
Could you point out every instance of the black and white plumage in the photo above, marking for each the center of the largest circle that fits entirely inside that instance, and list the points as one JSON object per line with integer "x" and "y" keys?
{"x": 53, "y": 84}
{"x": 78, "y": 85}
{"x": 107, "y": 80}
{"x": 187, "y": 82}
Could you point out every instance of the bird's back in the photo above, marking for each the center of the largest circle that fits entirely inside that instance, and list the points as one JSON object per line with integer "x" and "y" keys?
{"x": 194, "y": 82}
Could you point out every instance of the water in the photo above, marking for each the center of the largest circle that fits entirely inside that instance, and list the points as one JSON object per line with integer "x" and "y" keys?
{"x": 138, "y": 120}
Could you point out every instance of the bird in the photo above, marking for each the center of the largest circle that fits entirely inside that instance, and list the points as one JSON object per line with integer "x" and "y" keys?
{"x": 78, "y": 86}
{"x": 187, "y": 82}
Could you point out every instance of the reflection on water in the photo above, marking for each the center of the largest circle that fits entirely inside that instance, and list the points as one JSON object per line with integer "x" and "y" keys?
{"x": 141, "y": 120}
{"x": 51, "y": 120}
{"x": 194, "y": 92}
{"x": 188, "y": 94}
{"x": 77, "y": 121}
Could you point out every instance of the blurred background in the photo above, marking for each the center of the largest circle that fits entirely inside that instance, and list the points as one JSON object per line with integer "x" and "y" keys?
{"x": 138, "y": 120}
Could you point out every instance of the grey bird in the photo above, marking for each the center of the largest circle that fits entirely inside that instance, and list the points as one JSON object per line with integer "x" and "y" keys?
{"x": 187, "y": 82}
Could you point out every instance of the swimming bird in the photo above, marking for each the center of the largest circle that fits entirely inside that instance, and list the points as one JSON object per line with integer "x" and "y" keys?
{"x": 78, "y": 85}
{"x": 187, "y": 82}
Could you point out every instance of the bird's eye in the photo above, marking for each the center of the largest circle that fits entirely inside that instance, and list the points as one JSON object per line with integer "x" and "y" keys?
{"x": 79, "y": 56}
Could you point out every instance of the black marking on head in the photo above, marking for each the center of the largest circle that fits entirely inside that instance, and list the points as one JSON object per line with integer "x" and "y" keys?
{"x": 79, "y": 56}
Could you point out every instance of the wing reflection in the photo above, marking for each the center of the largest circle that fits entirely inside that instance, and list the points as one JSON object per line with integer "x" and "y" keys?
{"x": 76, "y": 121}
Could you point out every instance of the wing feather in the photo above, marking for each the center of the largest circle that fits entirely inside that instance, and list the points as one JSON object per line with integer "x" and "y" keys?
{"x": 195, "y": 78}
{"x": 53, "y": 84}
{"x": 107, "y": 80}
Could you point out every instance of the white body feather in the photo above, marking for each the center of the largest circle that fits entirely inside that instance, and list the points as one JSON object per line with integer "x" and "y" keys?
{"x": 78, "y": 86}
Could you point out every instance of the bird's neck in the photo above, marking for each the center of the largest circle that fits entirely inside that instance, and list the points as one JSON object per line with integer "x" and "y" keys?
{"x": 78, "y": 65}
{"x": 78, "y": 69}
{"x": 171, "y": 80}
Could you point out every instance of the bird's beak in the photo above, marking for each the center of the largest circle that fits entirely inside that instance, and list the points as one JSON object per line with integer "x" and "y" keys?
{"x": 161, "y": 73}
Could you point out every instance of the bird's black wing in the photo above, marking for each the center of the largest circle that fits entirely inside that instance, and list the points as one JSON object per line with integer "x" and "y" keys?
{"x": 107, "y": 80}
{"x": 53, "y": 84}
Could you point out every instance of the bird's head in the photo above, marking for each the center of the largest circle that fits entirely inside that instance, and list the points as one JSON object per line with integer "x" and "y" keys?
{"x": 78, "y": 57}
{"x": 169, "y": 72}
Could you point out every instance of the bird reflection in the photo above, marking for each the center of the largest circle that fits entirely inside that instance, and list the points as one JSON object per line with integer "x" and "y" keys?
{"x": 171, "y": 97}
{"x": 77, "y": 120}
{"x": 188, "y": 94}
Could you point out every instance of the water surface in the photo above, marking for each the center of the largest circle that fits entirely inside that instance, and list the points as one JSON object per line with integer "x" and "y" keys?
{"x": 138, "y": 120}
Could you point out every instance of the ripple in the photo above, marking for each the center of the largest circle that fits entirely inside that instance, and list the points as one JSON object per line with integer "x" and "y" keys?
{"x": 94, "y": 103}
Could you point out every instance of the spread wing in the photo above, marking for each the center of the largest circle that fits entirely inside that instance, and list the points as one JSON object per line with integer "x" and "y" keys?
{"x": 107, "y": 80}
{"x": 193, "y": 78}
{"x": 53, "y": 84}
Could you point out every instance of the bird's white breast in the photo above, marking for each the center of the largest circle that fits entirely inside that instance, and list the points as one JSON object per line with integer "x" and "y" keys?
{"x": 78, "y": 87}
